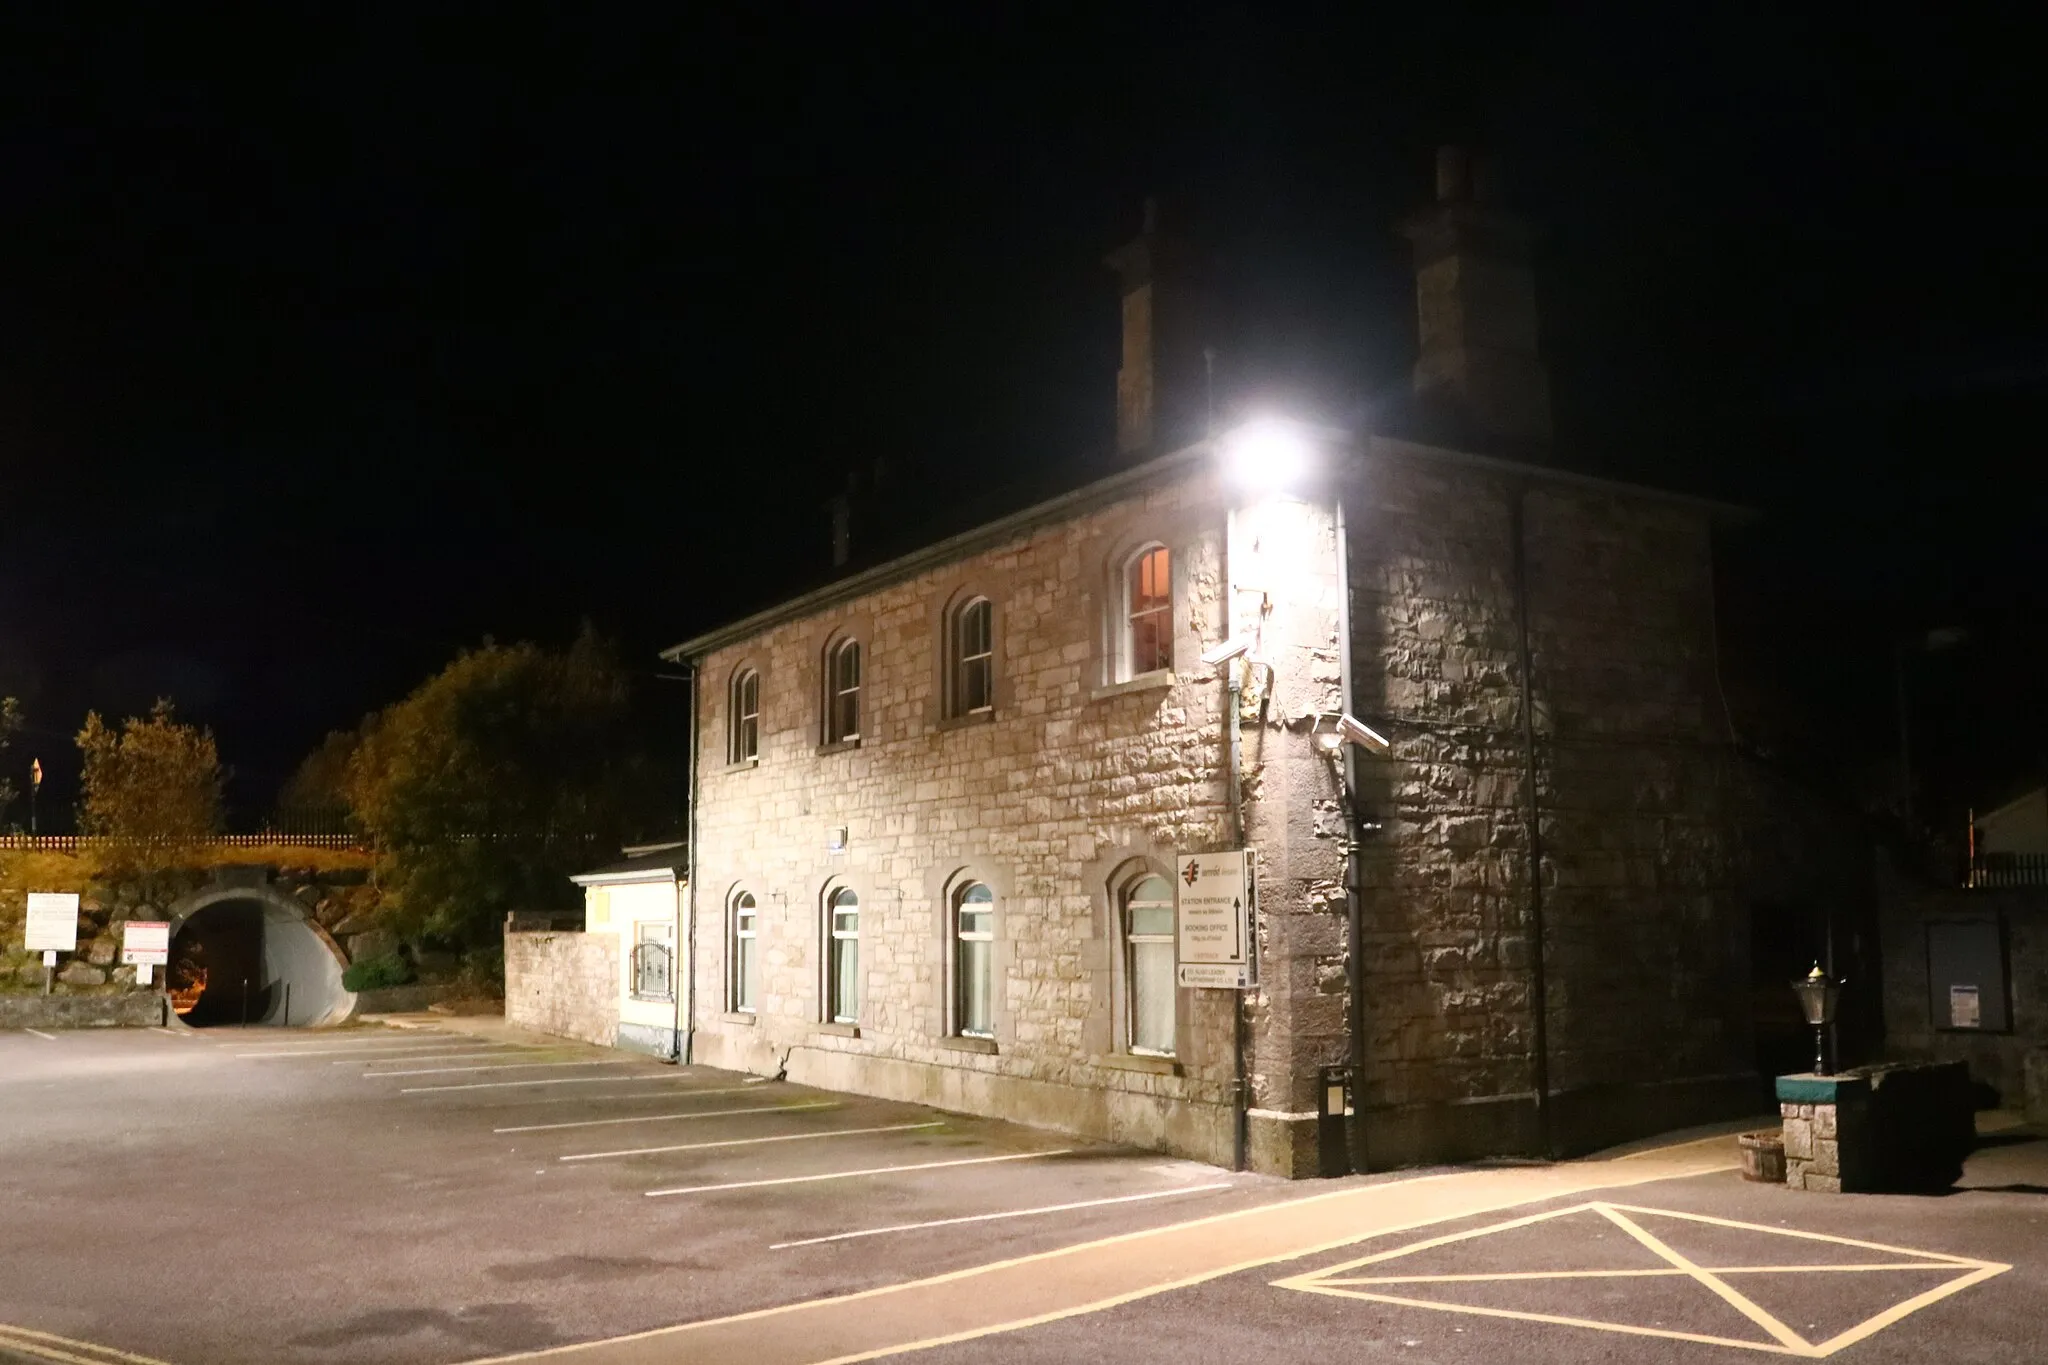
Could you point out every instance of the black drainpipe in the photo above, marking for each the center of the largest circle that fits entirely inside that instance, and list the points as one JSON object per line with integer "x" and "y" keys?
{"x": 1538, "y": 1010}
{"x": 1354, "y": 870}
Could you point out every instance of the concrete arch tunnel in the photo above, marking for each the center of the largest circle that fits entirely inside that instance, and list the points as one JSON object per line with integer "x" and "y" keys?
{"x": 265, "y": 959}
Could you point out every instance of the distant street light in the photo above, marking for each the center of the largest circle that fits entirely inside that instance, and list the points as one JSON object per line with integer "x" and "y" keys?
{"x": 1817, "y": 996}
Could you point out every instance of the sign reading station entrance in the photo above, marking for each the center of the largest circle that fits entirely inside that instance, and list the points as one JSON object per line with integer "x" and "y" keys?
{"x": 1213, "y": 893}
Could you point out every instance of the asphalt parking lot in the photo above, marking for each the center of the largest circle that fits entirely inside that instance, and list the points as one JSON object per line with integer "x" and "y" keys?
{"x": 387, "y": 1195}
{"x": 435, "y": 1196}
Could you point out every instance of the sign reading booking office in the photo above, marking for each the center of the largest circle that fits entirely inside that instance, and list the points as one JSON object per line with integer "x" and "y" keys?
{"x": 1213, "y": 899}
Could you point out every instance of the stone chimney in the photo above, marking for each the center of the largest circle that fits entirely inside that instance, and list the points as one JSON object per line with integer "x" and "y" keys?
{"x": 1475, "y": 298}
{"x": 1162, "y": 384}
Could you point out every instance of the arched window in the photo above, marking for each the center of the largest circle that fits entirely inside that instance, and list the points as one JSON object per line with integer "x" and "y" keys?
{"x": 842, "y": 692}
{"x": 1148, "y": 964}
{"x": 743, "y": 737}
{"x": 1146, "y": 625}
{"x": 970, "y": 658}
{"x": 743, "y": 958}
{"x": 842, "y": 957}
{"x": 974, "y": 945}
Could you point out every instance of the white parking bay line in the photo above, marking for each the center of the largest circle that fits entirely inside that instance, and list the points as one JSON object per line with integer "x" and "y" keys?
{"x": 848, "y": 1175}
{"x": 643, "y": 1097}
{"x": 660, "y": 1118}
{"x": 46, "y": 1037}
{"x": 551, "y": 1080}
{"x": 750, "y": 1142}
{"x": 993, "y": 1217}
{"x": 503, "y": 1050}
{"x": 363, "y": 1049}
{"x": 506, "y": 1066}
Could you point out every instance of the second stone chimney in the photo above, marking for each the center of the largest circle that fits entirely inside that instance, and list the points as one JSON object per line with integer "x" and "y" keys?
{"x": 1478, "y": 371}
{"x": 1162, "y": 380}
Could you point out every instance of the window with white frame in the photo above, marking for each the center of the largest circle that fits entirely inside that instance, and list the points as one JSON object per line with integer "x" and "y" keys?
{"x": 743, "y": 739}
{"x": 743, "y": 957}
{"x": 654, "y": 960}
{"x": 842, "y": 692}
{"x": 970, "y": 653}
{"x": 1145, "y": 627}
{"x": 974, "y": 946}
{"x": 842, "y": 957}
{"x": 1148, "y": 965}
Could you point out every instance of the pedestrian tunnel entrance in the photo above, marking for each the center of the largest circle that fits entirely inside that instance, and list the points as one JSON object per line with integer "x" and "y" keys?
{"x": 252, "y": 956}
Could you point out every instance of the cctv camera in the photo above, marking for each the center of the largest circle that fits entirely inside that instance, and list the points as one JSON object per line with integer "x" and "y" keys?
{"x": 1228, "y": 650}
{"x": 1351, "y": 730}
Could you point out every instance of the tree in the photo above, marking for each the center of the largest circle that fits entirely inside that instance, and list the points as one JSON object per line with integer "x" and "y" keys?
{"x": 154, "y": 780}
{"x": 498, "y": 777}
{"x": 10, "y": 723}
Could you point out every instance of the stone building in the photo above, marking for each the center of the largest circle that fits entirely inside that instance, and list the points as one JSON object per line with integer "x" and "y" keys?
{"x": 937, "y": 804}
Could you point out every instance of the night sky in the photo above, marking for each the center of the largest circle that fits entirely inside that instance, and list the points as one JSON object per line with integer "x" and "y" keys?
{"x": 335, "y": 339}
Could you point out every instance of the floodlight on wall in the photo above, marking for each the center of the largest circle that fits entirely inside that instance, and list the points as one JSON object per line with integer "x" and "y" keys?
{"x": 1266, "y": 454}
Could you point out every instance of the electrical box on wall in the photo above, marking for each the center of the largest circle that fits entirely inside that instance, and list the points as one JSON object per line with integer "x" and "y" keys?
{"x": 1966, "y": 976}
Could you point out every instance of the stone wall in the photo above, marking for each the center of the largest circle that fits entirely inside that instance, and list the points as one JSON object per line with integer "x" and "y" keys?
{"x": 1065, "y": 793}
{"x": 1644, "y": 953}
{"x": 333, "y": 886}
{"x": 1999, "y": 1060}
{"x": 141, "y": 1008}
{"x": 564, "y": 983}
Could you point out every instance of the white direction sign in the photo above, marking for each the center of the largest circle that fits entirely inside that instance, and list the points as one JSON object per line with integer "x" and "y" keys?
{"x": 52, "y": 922}
{"x": 1213, "y": 893}
{"x": 146, "y": 943}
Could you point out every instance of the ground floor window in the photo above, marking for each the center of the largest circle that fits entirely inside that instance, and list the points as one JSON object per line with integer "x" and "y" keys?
{"x": 745, "y": 963}
{"x": 842, "y": 973}
{"x": 974, "y": 934}
{"x": 1148, "y": 965}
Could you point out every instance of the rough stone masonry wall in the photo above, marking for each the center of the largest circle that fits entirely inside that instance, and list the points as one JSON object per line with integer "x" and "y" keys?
{"x": 1070, "y": 789}
{"x": 332, "y": 885}
{"x": 1643, "y": 985}
{"x": 566, "y": 984}
{"x": 1912, "y": 1030}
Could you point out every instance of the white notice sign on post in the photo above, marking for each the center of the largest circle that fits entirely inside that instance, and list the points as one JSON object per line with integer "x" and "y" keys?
{"x": 1213, "y": 893}
{"x": 52, "y": 922}
{"x": 145, "y": 943}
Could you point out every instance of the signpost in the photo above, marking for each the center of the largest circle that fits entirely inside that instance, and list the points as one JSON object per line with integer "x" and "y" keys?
{"x": 145, "y": 944}
{"x": 1213, "y": 893}
{"x": 52, "y": 928}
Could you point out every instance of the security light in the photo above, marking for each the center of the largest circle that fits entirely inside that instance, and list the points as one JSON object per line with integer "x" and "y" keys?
{"x": 1351, "y": 730}
{"x": 1266, "y": 455}
{"x": 1228, "y": 650}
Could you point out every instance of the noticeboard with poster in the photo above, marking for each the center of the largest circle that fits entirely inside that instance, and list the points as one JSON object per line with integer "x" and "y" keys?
{"x": 52, "y": 922}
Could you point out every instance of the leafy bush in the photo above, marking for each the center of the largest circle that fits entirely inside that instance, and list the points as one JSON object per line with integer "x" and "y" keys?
{"x": 483, "y": 972}
{"x": 375, "y": 973}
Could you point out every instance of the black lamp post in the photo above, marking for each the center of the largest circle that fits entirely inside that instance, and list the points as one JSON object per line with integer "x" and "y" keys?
{"x": 1817, "y": 996}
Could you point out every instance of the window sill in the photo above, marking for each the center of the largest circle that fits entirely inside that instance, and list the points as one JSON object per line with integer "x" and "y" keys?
{"x": 639, "y": 999}
{"x": 838, "y": 746}
{"x": 962, "y": 1043}
{"x": 983, "y": 717}
{"x": 835, "y": 1030}
{"x": 744, "y": 765}
{"x": 738, "y": 1017}
{"x": 1156, "y": 681}
{"x": 1138, "y": 1061}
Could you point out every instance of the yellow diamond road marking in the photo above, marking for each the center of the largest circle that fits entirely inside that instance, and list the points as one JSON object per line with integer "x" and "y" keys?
{"x": 1337, "y": 1281}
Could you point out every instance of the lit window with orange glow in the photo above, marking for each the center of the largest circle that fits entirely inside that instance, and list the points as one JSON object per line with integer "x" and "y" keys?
{"x": 1147, "y": 626}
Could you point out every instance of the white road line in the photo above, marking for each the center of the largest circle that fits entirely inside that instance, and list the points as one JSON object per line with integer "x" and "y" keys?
{"x": 326, "y": 1049}
{"x": 184, "y": 1035}
{"x": 992, "y": 1217}
{"x": 754, "y": 1141}
{"x": 658, "y": 1118}
{"x": 554, "y": 1080}
{"x": 46, "y": 1037}
{"x": 848, "y": 1175}
{"x": 507, "y": 1051}
{"x": 350, "y": 1054}
{"x": 507, "y": 1066}
{"x": 641, "y": 1098}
